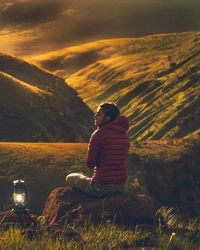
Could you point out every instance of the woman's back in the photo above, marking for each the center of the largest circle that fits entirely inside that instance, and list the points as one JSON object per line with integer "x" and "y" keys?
{"x": 107, "y": 155}
{"x": 112, "y": 143}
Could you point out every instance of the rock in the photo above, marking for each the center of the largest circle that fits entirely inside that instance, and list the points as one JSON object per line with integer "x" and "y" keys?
{"x": 173, "y": 180}
{"x": 11, "y": 218}
{"x": 190, "y": 201}
{"x": 65, "y": 205}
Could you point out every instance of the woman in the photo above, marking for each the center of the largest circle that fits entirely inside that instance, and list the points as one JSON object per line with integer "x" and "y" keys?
{"x": 107, "y": 154}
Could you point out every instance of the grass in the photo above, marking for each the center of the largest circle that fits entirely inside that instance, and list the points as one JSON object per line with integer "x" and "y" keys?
{"x": 160, "y": 76}
{"x": 93, "y": 237}
{"x": 44, "y": 165}
{"x": 42, "y": 107}
{"x": 109, "y": 236}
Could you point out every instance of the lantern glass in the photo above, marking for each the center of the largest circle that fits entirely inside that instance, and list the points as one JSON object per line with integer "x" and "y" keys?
{"x": 19, "y": 199}
{"x": 20, "y": 195}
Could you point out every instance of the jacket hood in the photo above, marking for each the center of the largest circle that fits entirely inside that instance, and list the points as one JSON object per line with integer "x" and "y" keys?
{"x": 120, "y": 124}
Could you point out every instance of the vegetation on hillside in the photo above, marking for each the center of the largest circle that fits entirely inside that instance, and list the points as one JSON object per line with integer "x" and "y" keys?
{"x": 44, "y": 166}
{"x": 36, "y": 105}
{"x": 155, "y": 80}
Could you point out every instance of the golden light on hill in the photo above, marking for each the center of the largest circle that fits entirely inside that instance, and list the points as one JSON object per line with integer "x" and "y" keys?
{"x": 153, "y": 79}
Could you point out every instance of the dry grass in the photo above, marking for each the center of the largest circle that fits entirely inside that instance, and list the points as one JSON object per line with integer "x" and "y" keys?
{"x": 44, "y": 165}
{"x": 153, "y": 79}
{"x": 109, "y": 236}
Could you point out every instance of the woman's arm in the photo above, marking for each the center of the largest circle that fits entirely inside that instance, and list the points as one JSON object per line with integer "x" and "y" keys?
{"x": 93, "y": 149}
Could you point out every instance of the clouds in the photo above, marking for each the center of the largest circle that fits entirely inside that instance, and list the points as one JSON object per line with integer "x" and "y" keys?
{"x": 39, "y": 25}
{"x": 26, "y": 13}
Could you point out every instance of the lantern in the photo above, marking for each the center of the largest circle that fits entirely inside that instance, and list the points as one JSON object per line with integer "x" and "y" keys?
{"x": 20, "y": 196}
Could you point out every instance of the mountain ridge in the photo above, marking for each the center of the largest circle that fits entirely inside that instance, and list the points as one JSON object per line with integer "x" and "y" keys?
{"x": 154, "y": 79}
{"x": 36, "y": 105}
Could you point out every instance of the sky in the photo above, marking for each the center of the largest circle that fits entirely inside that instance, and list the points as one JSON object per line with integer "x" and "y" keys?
{"x": 33, "y": 27}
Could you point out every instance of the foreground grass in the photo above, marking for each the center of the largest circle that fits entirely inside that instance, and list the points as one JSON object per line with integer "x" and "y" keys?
{"x": 171, "y": 231}
{"x": 104, "y": 236}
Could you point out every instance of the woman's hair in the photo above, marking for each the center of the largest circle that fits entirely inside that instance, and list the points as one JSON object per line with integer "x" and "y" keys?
{"x": 110, "y": 109}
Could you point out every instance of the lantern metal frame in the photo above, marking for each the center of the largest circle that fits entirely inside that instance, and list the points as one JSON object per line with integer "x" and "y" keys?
{"x": 20, "y": 196}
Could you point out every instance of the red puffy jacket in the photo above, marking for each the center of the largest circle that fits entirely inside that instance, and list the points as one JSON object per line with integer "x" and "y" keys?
{"x": 107, "y": 152}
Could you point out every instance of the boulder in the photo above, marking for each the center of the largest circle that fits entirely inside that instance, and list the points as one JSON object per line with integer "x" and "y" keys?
{"x": 65, "y": 205}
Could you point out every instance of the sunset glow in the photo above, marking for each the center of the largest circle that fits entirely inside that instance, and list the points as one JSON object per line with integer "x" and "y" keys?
{"x": 33, "y": 27}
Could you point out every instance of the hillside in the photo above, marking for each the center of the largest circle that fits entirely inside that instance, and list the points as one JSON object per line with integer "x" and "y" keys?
{"x": 165, "y": 169}
{"x": 155, "y": 80}
{"x": 36, "y": 105}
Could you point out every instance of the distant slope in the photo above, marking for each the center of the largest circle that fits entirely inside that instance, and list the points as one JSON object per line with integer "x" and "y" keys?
{"x": 44, "y": 166}
{"x": 155, "y": 80}
{"x": 36, "y": 105}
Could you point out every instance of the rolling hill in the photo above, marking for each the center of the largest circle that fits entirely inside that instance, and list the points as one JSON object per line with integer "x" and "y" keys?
{"x": 36, "y": 105}
{"x": 166, "y": 169}
{"x": 155, "y": 80}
